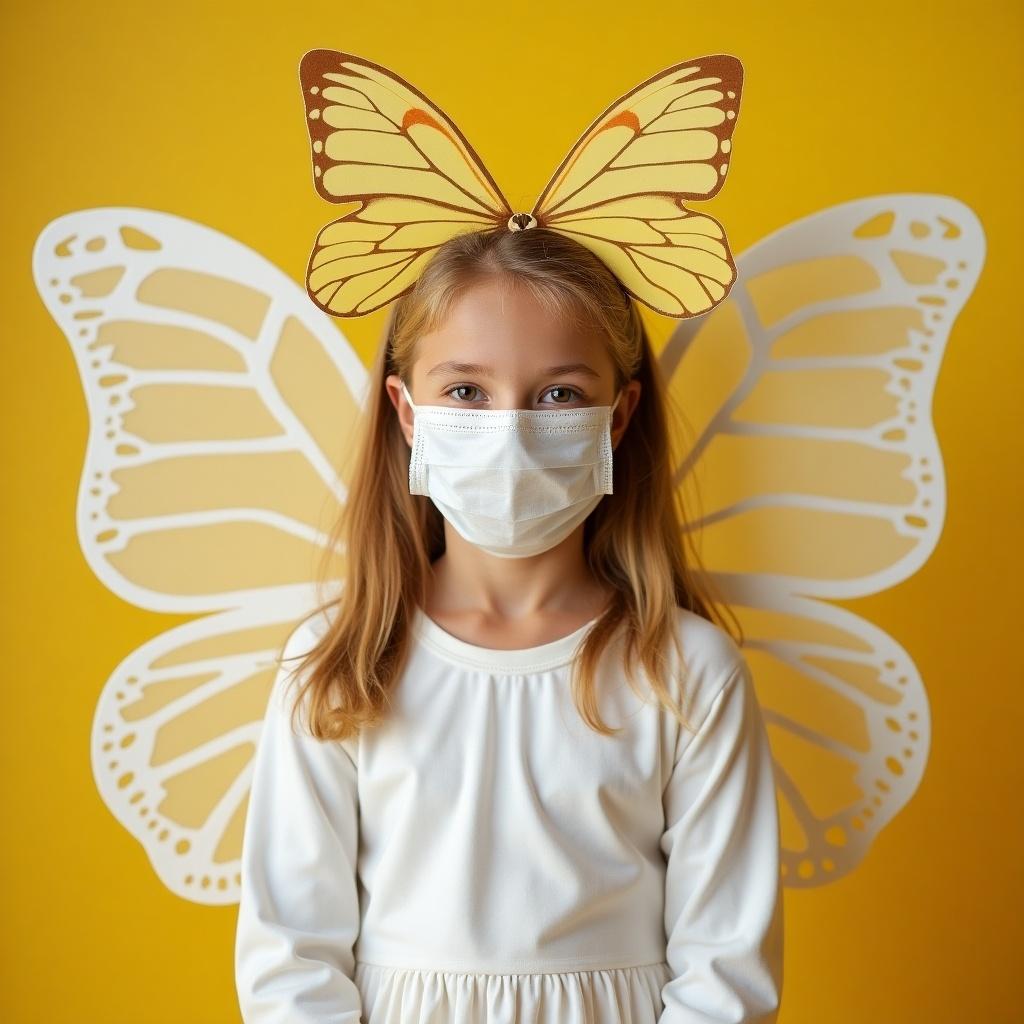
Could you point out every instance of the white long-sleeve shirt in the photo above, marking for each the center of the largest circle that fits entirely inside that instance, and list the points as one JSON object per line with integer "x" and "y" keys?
{"x": 484, "y": 857}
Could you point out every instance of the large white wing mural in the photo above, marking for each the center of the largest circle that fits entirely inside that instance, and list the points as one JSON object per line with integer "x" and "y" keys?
{"x": 221, "y": 404}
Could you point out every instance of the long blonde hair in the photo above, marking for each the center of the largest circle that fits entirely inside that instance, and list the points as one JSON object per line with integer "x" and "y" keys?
{"x": 634, "y": 541}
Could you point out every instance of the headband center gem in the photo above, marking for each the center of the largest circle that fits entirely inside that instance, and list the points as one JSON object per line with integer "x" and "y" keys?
{"x": 521, "y": 221}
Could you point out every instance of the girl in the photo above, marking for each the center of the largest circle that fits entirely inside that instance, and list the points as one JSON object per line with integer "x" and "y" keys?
{"x": 532, "y": 781}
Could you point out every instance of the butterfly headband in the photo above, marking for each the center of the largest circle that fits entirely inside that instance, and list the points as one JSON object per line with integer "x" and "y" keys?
{"x": 408, "y": 181}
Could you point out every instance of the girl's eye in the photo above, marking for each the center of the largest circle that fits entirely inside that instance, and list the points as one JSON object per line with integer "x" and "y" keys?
{"x": 572, "y": 393}
{"x": 461, "y": 387}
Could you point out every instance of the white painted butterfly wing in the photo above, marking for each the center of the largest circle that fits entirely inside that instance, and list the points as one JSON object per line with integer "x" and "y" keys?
{"x": 221, "y": 404}
{"x": 814, "y": 462}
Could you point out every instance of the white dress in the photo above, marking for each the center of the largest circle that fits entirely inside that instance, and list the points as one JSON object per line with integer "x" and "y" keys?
{"x": 484, "y": 857}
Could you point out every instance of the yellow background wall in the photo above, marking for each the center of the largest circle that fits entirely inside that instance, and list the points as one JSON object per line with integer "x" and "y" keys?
{"x": 195, "y": 109}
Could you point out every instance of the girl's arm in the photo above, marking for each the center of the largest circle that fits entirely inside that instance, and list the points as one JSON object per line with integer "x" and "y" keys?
{"x": 298, "y": 914}
{"x": 723, "y": 899}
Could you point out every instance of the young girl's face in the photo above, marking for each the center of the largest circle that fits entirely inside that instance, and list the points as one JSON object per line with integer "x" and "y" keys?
{"x": 501, "y": 349}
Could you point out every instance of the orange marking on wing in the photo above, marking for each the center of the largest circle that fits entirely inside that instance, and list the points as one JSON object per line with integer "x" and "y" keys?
{"x": 416, "y": 115}
{"x": 624, "y": 117}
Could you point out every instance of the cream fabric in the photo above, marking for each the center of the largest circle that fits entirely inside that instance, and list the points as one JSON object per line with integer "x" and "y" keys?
{"x": 484, "y": 857}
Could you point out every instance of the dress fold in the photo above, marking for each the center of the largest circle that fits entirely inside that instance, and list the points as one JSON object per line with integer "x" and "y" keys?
{"x": 397, "y": 995}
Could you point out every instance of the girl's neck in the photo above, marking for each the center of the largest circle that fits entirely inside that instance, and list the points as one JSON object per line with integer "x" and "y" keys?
{"x": 520, "y": 602}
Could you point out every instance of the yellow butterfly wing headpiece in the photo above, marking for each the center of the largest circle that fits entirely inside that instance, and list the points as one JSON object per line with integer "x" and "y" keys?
{"x": 409, "y": 181}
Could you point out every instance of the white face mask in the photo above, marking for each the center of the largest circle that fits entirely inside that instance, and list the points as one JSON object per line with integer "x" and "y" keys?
{"x": 514, "y": 482}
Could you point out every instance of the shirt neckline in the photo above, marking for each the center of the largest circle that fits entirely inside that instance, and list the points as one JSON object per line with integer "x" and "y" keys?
{"x": 553, "y": 654}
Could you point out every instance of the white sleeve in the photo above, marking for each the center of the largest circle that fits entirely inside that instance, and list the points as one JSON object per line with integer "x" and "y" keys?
{"x": 723, "y": 897}
{"x": 298, "y": 914}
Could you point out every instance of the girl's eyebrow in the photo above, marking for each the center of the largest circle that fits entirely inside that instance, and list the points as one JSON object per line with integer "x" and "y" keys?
{"x": 452, "y": 366}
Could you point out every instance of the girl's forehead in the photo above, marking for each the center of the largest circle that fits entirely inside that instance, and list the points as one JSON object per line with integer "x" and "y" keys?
{"x": 510, "y": 329}
{"x": 507, "y": 356}
{"x": 498, "y": 306}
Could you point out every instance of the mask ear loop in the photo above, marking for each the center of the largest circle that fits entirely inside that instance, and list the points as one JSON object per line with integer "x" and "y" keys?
{"x": 416, "y": 450}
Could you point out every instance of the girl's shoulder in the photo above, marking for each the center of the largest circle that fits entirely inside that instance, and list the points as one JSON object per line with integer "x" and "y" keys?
{"x": 306, "y": 634}
{"x": 711, "y": 659}
{"x": 707, "y": 642}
